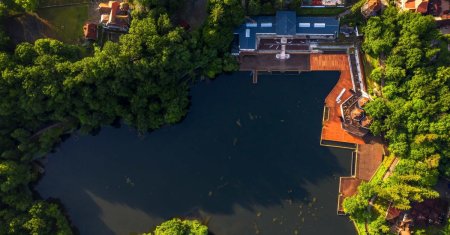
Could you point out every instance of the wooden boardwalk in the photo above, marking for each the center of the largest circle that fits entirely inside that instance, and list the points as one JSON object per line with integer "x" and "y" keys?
{"x": 370, "y": 150}
{"x": 348, "y": 186}
{"x": 370, "y": 156}
{"x": 268, "y": 63}
{"x": 332, "y": 129}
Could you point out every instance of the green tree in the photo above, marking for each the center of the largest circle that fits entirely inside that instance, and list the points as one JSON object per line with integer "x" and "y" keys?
{"x": 181, "y": 227}
{"x": 254, "y": 7}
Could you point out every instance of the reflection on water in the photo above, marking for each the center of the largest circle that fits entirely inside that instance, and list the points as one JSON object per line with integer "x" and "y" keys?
{"x": 118, "y": 217}
{"x": 246, "y": 160}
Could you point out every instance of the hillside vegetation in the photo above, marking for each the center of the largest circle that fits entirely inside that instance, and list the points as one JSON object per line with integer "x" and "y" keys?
{"x": 50, "y": 89}
{"x": 412, "y": 113}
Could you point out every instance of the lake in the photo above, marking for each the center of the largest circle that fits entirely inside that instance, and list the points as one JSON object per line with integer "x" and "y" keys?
{"x": 246, "y": 160}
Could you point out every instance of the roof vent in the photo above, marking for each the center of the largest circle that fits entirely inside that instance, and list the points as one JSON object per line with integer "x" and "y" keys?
{"x": 247, "y": 33}
{"x": 304, "y": 25}
{"x": 266, "y": 25}
{"x": 319, "y": 25}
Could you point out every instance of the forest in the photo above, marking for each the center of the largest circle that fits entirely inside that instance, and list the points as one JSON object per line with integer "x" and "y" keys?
{"x": 50, "y": 89}
{"x": 411, "y": 113}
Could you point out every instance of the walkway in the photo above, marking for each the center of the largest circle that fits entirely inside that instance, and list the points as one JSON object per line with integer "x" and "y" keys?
{"x": 370, "y": 150}
{"x": 332, "y": 126}
{"x": 391, "y": 168}
{"x": 370, "y": 156}
{"x": 348, "y": 186}
{"x": 268, "y": 62}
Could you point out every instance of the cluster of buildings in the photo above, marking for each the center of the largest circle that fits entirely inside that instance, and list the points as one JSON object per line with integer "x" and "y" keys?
{"x": 114, "y": 16}
{"x": 420, "y": 6}
{"x": 422, "y": 214}
{"x": 437, "y": 8}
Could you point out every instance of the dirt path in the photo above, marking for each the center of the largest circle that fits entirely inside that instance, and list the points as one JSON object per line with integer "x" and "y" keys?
{"x": 28, "y": 28}
{"x": 391, "y": 168}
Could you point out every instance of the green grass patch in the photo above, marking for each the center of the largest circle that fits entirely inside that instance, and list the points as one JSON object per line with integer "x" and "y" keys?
{"x": 44, "y": 3}
{"x": 67, "y": 22}
{"x": 384, "y": 166}
{"x": 360, "y": 227}
{"x": 321, "y": 11}
{"x": 369, "y": 65}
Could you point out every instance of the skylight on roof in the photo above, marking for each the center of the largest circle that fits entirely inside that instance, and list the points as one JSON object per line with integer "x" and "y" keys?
{"x": 304, "y": 25}
{"x": 252, "y": 25}
{"x": 247, "y": 33}
{"x": 266, "y": 25}
{"x": 319, "y": 25}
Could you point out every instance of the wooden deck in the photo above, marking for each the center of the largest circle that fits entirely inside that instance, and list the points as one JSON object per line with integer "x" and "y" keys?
{"x": 332, "y": 129}
{"x": 370, "y": 156}
{"x": 348, "y": 186}
{"x": 268, "y": 62}
{"x": 370, "y": 150}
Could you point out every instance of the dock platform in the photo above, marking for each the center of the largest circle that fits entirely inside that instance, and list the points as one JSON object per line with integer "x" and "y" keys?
{"x": 332, "y": 125}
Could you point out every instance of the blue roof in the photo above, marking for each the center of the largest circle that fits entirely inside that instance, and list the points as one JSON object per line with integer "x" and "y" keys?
{"x": 256, "y": 25}
{"x": 285, "y": 23}
{"x": 318, "y": 25}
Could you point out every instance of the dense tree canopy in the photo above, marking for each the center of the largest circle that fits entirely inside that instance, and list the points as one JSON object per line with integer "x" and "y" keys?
{"x": 180, "y": 227}
{"x": 49, "y": 89}
{"x": 413, "y": 111}
{"x": 269, "y": 7}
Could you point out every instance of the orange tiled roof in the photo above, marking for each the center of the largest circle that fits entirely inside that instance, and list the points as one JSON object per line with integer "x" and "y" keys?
{"x": 411, "y": 5}
{"x": 423, "y": 7}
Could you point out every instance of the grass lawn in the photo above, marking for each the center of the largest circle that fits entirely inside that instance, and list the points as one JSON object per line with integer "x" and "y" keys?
{"x": 322, "y": 11}
{"x": 369, "y": 64}
{"x": 43, "y": 3}
{"x": 360, "y": 227}
{"x": 378, "y": 176}
{"x": 67, "y": 22}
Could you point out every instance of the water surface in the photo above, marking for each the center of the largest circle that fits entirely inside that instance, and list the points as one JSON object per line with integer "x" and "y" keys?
{"x": 246, "y": 160}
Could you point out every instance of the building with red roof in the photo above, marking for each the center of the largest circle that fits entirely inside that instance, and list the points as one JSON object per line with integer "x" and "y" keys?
{"x": 115, "y": 15}
{"x": 420, "y": 6}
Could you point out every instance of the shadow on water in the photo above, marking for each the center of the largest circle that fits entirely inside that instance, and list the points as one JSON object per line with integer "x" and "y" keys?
{"x": 246, "y": 160}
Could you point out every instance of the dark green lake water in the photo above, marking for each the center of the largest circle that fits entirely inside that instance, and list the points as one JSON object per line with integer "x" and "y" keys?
{"x": 246, "y": 160}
